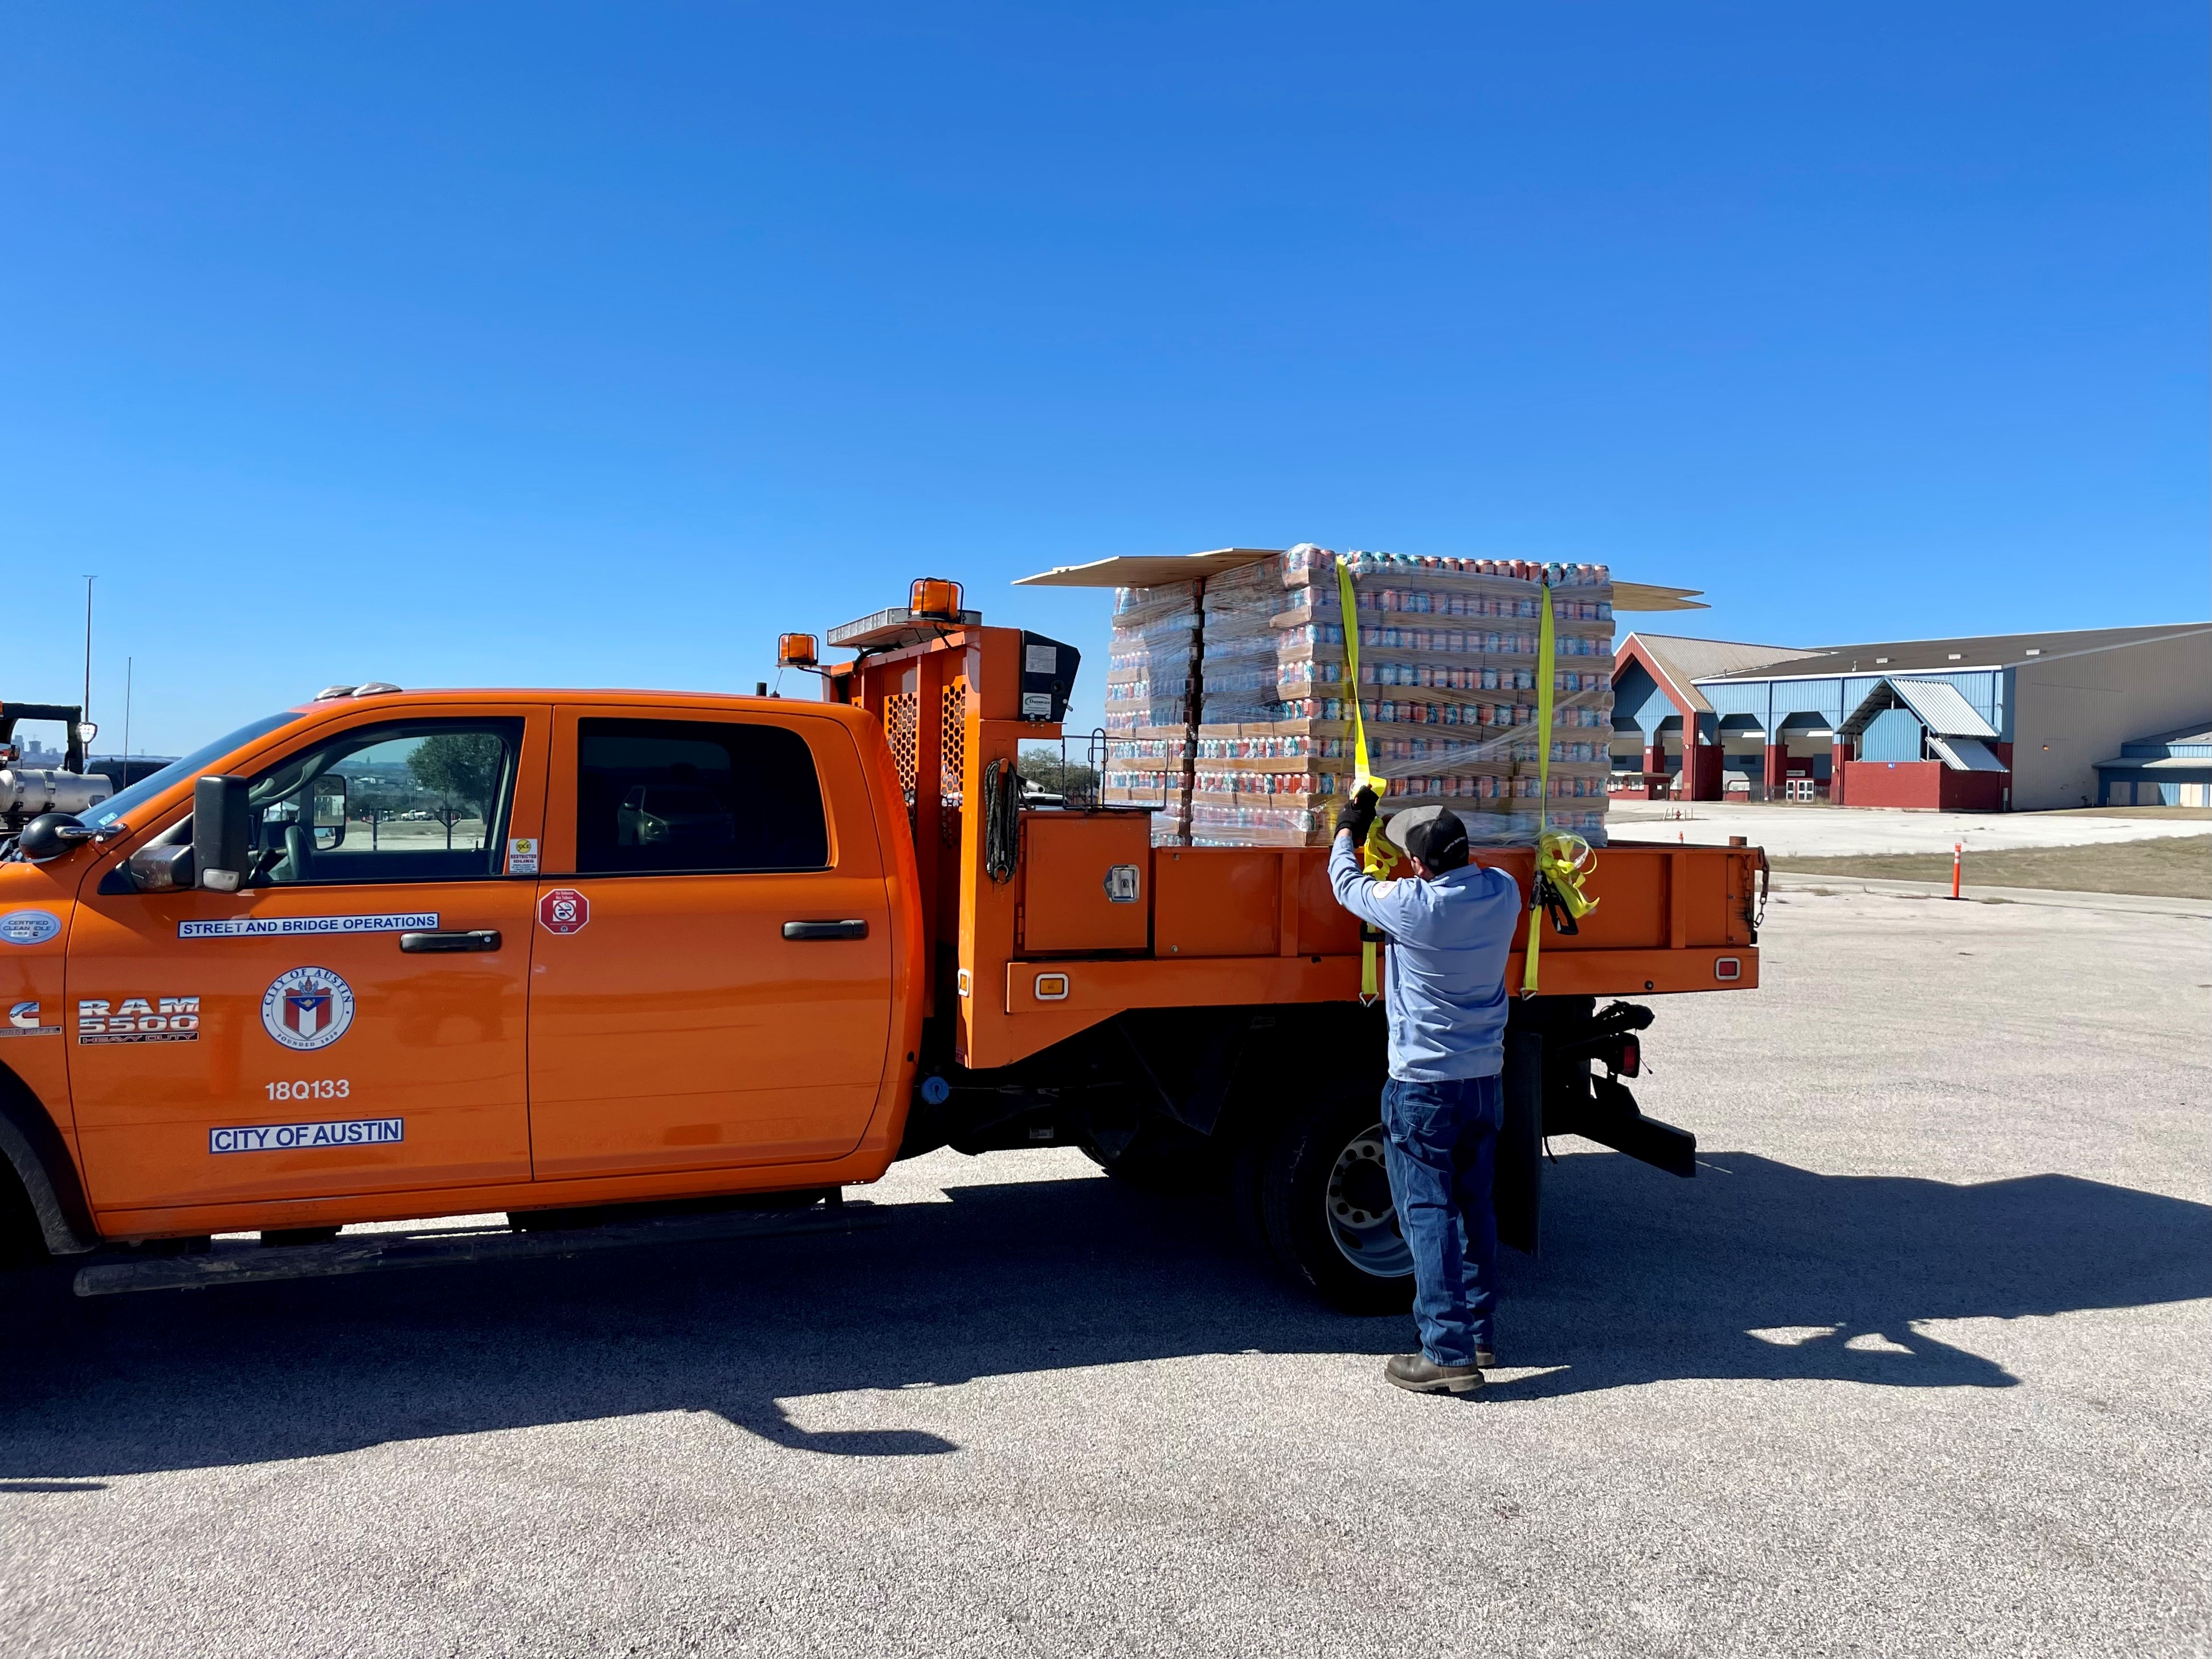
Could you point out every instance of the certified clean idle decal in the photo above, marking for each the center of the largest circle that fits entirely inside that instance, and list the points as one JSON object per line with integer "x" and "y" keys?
{"x": 23, "y": 1020}
{"x": 400, "y": 922}
{"x": 138, "y": 1019}
{"x": 307, "y": 1008}
{"x": 29, "y": 926}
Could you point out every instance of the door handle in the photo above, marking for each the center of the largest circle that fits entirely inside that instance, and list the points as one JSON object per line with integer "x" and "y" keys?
{"x": 475, "y": 939}
{"x": 825, "y": 930}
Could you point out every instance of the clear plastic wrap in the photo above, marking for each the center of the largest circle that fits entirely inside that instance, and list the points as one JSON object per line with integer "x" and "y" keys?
{"x": 1151, "y": 683}
{"x": 1151, "y": 665}
{"x": 1448, "y": 659}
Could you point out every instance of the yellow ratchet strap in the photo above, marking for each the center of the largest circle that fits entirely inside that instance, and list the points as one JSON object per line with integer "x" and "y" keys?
{"x": 1564, "y": 860}
{"x": 1378, "y": 857}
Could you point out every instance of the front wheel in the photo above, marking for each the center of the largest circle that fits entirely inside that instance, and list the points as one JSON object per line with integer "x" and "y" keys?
{"x": 1324, "y": 1206}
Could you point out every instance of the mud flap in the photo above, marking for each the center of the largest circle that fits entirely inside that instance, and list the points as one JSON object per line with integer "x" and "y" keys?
{"x": 1518, "y": 1192}
{"x": 1614, "y": 1120}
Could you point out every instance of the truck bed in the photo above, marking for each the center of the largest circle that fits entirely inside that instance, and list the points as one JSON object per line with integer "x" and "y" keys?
{"x": 1230, "y": 925}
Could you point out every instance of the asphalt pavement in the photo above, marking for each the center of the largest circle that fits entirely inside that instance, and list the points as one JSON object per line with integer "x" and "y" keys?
{"x": 1915, "y": 1364}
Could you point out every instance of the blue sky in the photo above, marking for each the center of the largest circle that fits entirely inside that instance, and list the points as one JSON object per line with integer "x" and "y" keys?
{"x": 594, "y": 345}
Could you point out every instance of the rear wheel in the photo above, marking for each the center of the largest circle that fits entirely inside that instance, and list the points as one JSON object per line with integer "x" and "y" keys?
{"x": 1323, "y": 1204}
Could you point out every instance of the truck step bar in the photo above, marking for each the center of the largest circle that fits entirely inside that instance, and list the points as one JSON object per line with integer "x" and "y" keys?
{"x": 241, "y": 1263}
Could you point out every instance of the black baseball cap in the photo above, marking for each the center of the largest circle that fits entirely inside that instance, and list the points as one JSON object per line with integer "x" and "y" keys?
{"x": 1433, "y": 834}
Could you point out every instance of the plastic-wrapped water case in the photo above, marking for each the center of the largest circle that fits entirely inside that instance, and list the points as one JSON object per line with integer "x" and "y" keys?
{"x": 1152, "y": 688}
{"x": 1448, "y": 657}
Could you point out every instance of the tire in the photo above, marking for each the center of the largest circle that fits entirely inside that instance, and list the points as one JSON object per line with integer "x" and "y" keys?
{"x": 1324, "y": 1207}
{"x": 22, "y": 1244}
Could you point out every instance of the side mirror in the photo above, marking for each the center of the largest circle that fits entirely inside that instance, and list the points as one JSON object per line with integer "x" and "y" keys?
{"x": 219, "y": 827}
{"x": 50, "y": 834}
{"x": 329, "y": 811}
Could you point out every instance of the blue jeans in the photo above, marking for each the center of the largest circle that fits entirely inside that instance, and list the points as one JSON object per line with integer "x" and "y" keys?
{"x": 1441, "y": 1149}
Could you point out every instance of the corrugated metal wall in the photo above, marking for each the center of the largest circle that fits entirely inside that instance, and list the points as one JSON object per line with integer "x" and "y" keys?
{"x": 1638, "y": 701}
{"x": 1892, "y": 735}
{"x": 1772, "y": 701}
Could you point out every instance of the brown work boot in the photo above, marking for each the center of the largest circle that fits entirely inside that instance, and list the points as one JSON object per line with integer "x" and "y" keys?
{"x": 1419, "y": 1373}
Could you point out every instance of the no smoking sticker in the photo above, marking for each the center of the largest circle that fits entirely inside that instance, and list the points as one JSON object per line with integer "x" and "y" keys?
{"x": 563, "y": 910}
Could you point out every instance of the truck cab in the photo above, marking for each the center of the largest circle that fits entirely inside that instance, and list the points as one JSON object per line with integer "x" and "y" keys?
{"x": 463, "y": 967}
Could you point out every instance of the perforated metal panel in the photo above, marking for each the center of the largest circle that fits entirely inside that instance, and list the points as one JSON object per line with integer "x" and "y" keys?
{"x": 952, "y": 740}
{"x": 899, "y": 729}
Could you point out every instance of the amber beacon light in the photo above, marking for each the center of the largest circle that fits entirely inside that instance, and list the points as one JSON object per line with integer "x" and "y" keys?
{"x": 934, "y": 599}
{"x": 796, "y": 651}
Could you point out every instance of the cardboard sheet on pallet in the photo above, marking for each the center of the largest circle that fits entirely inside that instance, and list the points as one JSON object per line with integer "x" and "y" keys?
{"x": 1157, "y": 569}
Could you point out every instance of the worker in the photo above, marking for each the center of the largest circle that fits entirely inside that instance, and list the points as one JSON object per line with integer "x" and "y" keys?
{"x": 1448, "y": 927}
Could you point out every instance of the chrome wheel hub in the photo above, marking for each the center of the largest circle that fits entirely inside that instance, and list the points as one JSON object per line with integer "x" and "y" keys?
{"x": 1362, "y": 1219}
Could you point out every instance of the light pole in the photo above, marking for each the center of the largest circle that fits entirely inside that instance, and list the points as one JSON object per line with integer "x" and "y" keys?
{"x": 85, "y": 712}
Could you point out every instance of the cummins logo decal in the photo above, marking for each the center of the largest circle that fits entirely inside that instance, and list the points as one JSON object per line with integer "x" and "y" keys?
{"x": 307, "y": 1008}
{"x": 25, "y": 1020}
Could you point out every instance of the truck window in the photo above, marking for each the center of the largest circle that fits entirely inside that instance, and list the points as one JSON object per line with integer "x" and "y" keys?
{"x": 422, "y": 800}
{"x": 695, "y": 797}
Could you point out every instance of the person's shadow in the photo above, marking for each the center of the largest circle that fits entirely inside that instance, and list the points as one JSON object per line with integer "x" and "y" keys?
{"x": 1754, "y": 1270}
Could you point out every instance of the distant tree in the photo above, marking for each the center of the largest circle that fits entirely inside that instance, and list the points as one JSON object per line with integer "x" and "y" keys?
{"x": 460, "y": 766}
{"x": 1043, "y": 770}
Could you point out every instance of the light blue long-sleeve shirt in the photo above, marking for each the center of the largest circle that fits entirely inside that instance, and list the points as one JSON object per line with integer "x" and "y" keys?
{"x": 1444, "y": 975}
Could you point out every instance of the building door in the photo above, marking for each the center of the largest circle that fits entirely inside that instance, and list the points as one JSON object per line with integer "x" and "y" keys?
{"x": 308, "y": 1037}
{"x": 712, "y": 985}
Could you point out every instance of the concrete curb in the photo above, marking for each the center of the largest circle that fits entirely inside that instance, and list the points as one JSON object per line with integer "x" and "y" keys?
{"x": 2135, "y": 903}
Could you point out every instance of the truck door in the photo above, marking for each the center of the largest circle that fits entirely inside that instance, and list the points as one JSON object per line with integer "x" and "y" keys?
{"x": 350, "y": 1021}
{"x": 713, "y": 974}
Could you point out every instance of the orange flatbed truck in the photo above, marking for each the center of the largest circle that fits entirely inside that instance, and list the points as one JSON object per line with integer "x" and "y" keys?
{"x": 653, "y": 950}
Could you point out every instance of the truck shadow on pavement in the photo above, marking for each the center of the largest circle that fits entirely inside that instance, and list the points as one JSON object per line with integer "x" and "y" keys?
{"x": 1754, "y": 1270}
{"x": 1773, "y": 1272}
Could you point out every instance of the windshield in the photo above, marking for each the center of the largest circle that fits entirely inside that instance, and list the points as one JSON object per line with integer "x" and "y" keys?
{"x": 112, "y": 809}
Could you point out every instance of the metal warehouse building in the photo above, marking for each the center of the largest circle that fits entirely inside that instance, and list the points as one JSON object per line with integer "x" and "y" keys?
{"x": 1999, "y": 722}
